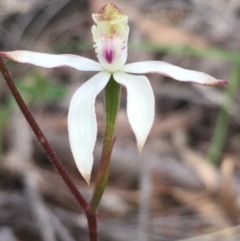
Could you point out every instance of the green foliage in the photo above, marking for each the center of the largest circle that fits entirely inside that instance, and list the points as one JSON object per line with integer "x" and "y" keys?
{"x": 223, "y": 119}
{"x": 36, "y": 89}
{"x": 211, "y": 53}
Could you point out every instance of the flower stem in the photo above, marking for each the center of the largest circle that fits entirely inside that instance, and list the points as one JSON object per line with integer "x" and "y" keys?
{"x": 91, "y": 217}
{"x": 112, "y": 100}
{"x": 92, "y": 225}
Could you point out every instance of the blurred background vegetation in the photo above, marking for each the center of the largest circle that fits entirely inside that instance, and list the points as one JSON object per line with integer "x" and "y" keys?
{"x": 185, "y": 185}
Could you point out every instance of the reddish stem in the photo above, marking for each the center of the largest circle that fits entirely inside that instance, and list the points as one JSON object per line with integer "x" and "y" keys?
{"x": 91, "y": 217}
{"x": 92, "y": 225}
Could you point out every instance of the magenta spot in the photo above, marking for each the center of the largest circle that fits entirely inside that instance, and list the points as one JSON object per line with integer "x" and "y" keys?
{"x": 109, "y": 55}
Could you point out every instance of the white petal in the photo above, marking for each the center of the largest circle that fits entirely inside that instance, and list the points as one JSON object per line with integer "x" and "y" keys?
{"x": 82, "y": 124}
{"x": 140, "y": 104}
{"x": 53, "y": 60}
{"x": 172, "y": 71}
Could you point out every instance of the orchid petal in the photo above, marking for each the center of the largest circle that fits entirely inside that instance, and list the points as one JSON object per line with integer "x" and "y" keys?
{"x": 82, "y": 124}
{"x": 140, "y": 104}
{"x": 172, "y": 71}
{"x": 53, "y": 60}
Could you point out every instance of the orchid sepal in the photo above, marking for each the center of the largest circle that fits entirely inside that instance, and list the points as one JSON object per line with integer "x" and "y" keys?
{"x": 173, "y": 71}
{"x": 140, "y": 105}
{"x": 53, "y": 60}
{"x": 82, "y": 124}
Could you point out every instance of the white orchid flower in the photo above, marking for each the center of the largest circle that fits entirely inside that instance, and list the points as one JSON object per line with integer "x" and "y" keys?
{"x": 110, "y": 35}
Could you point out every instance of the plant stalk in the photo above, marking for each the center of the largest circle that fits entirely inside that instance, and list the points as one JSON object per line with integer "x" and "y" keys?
{"x": 91, "y": 217}
{"x": 112, "y": 100}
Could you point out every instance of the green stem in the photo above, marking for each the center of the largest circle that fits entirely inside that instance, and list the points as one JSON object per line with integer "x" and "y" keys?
{"x": 112, "y": 100}
{"x": 221, "y": 128}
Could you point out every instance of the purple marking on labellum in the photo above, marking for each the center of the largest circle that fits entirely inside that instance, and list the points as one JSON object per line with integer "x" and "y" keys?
{"x": 109, "y": 55}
